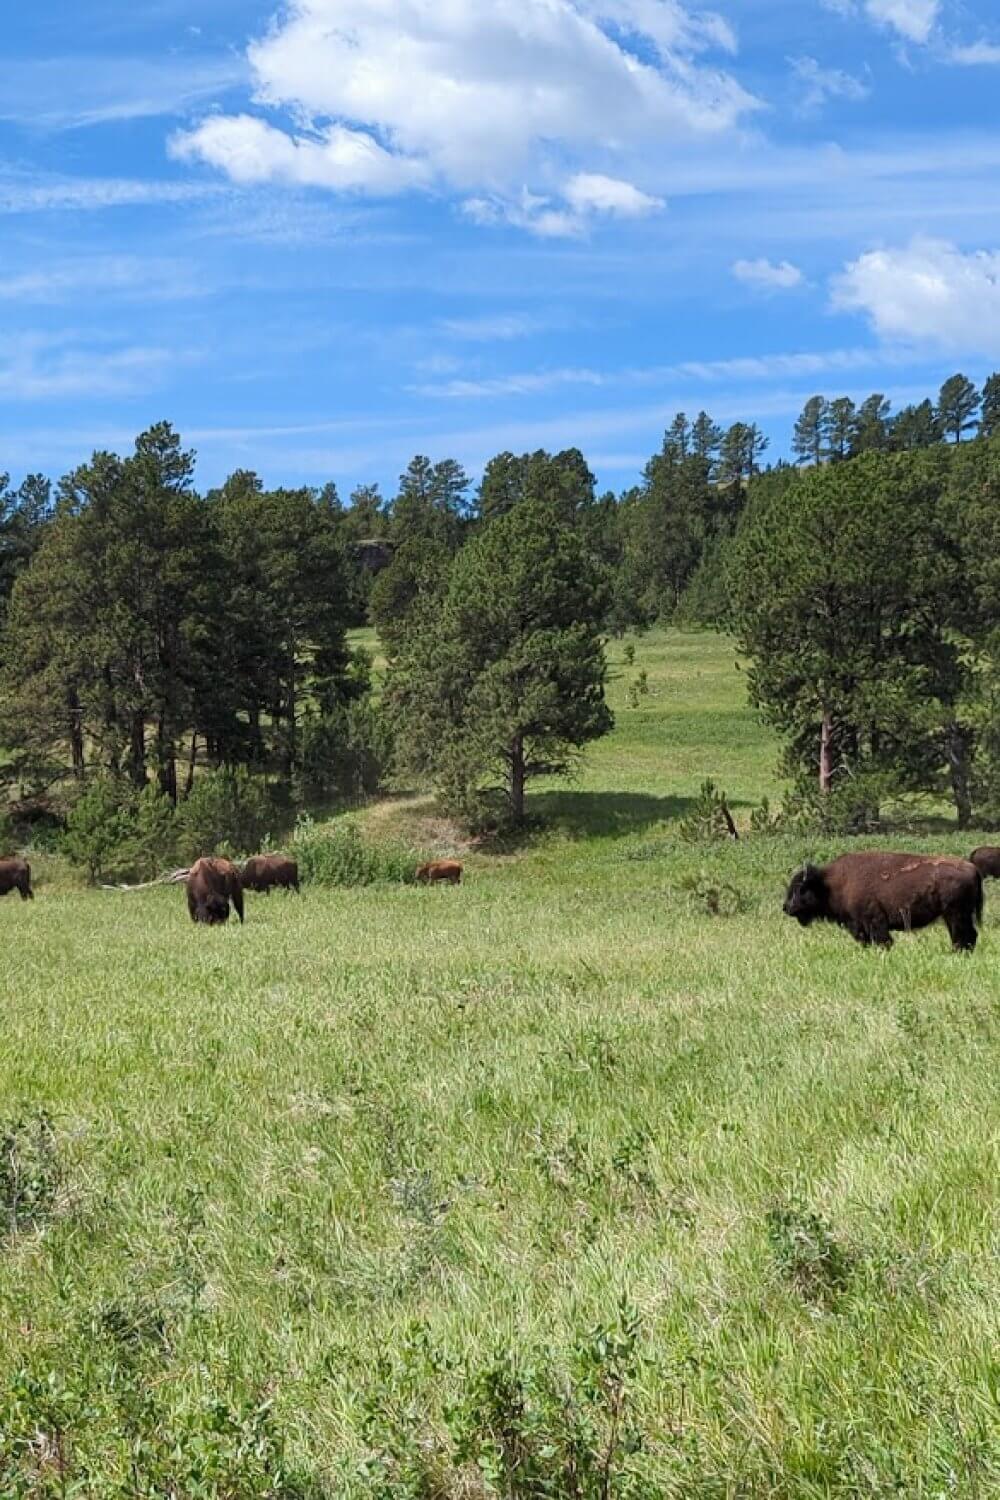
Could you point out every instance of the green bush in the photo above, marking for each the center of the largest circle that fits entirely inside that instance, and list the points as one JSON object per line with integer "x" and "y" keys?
{"x": 710, "y": 818}
{"x": 100, "y": 829}
{"x": 226, "y": 810}
{"x": 338, "y": 856}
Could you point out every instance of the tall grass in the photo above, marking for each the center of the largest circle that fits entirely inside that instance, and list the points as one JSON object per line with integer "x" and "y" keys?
{"x": 559, "y": 1183}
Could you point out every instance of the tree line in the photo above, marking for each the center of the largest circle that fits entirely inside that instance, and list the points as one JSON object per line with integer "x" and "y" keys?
{"x": 152, "y": 636}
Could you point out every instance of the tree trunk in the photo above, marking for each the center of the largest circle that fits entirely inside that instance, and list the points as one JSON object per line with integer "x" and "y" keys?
{"x": 76, "y": 733}
{"x": 167, "y": 762}
{"x": 959, "y": 744}
{"x": 826, "y": 755}
{"x": 517, "y": 778}
{"x": 137, "y": 749}
{"x": 192, "y": 762}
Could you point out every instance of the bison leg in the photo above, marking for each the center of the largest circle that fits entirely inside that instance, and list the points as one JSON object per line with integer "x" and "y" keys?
{"x": 27, "y": 894}
{"x": 873, "y": 933}
{"x": 962, "y": 930}
{"x": 237, "y": 899}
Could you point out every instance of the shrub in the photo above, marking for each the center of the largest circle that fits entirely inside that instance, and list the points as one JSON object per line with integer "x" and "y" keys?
{"x": 808, "y": 1253}
{"x": 100, "y": 832}
{"x": 30, "y": 1173}
{"x": 710, "y": 817}
{"x": 338, "y": 856}
{"x": 225, "y": 810}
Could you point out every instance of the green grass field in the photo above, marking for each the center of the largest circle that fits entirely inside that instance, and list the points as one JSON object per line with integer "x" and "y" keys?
{"x": 553, "y": 1185}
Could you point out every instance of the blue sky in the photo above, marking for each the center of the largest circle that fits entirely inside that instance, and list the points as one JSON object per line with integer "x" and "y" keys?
{"x": 322, "y": 236}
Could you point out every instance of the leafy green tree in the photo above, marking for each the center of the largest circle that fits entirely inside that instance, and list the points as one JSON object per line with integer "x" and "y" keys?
{"x": 989, "y": 420}
{"x": 562, "y": 480}
{"x": 809, "y": 437}
{"x": 742, "y": 449}
{"x": 916, "y": 427}
{"x": 957, "y": 406}
{"x": 678, "y": 437}
{"x": 23, "y": 513}
{"x": 431, "y": 503}
{"x": 99, "y": 833}
{"x": 504, "y": 676}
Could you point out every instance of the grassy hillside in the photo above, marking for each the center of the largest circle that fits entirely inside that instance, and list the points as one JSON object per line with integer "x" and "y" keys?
{"x": 554, "y": 1184}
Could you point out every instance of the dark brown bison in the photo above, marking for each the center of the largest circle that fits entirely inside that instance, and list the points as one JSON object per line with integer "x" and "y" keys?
{"x": 440, "y": 870}
{"x": 873, "y": 895}
{"x": 15, "y": 875}
{"x": 211, "y": 885}
{"x": 987, "y": 862}
{"x": 268, "y": 872}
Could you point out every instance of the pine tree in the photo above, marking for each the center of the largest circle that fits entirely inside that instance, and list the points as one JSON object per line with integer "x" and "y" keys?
{"x": 871, "y": 426}
{"x": 957, "y": 406}
{"x": 841, "y": 425}
{"x": 916, "y": 427}
{"x": 706, "y": 437}
{"x": 809, "y": 437}
{"x": 503, "y": 676}
{"x": 989, "y": 421}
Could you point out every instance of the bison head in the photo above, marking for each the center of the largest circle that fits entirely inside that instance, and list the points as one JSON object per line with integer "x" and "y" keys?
{"x": 807, "y": 896}
{"x": 213, "y": 911}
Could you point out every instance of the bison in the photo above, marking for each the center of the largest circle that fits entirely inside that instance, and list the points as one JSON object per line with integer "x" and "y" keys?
{"x": 987, "y": 862}
{"x": 15, "y": 875}
{"x": 874, "y": 895}
{"x": 440, "y": 870}
{"x": 211, "y": 885}
{"x": 267, "y": 872}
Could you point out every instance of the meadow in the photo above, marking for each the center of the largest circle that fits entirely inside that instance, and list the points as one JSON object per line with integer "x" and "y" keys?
{"x": 594, "y": 1177}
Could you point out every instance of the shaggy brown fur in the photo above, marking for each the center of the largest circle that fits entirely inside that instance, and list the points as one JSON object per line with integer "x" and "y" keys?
{"x": 873, "y": 895}
{"x": 15, "y": 875}
{"x": 268, "y": 872}
{"x": 211, "y": 885}
{"x": 440, "y": 870}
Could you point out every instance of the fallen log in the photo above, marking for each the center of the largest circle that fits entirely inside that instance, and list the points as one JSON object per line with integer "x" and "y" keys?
{"x": 175, "y": 879}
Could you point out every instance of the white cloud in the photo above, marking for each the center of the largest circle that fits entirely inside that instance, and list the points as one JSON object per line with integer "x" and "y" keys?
{"x": 250, "y": 151}
{"x": 976, "y": 54}
{"x": 479, "y": 99}
{"x": 913, "y": 20}
{"x": 766, "y": 275}
{"x": 817, "y": 85}
{"x": 926, "y": 292}
{"x": 591, "y": 192}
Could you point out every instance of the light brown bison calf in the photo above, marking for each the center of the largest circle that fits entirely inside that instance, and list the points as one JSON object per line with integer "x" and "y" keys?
{"x": 874, "y": 895}
{"x": 211, "y": 885}
{"x": 267, "y": 872}
{"x": 15, "y": 875}
{"x": 987, "y": 862}
{"x": 448, "y": 870}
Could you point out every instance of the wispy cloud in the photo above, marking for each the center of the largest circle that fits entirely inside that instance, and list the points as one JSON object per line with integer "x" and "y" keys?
{"x": 70, "y": 93}
{"x": 499, "y": 328}
{"x": 123, "y": 276}
{"x": 22, "y": 195}
{"x": 752, "y": 369}
{"x": 817, "y": 85}
{"x": 36, "y": 369}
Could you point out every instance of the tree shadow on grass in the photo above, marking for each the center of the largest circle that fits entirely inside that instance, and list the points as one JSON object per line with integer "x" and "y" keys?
{"x": 606, "y": 814}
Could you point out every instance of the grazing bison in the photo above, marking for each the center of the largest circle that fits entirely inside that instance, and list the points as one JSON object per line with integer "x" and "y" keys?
{"x": 15, "y": 875}
{"x": 440, "y": 869}
{"x": 987, "y": 862}
{"x": 267, "y": 872}
{"x": 873, "y": 895}
{"x": 211, "y": 885}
